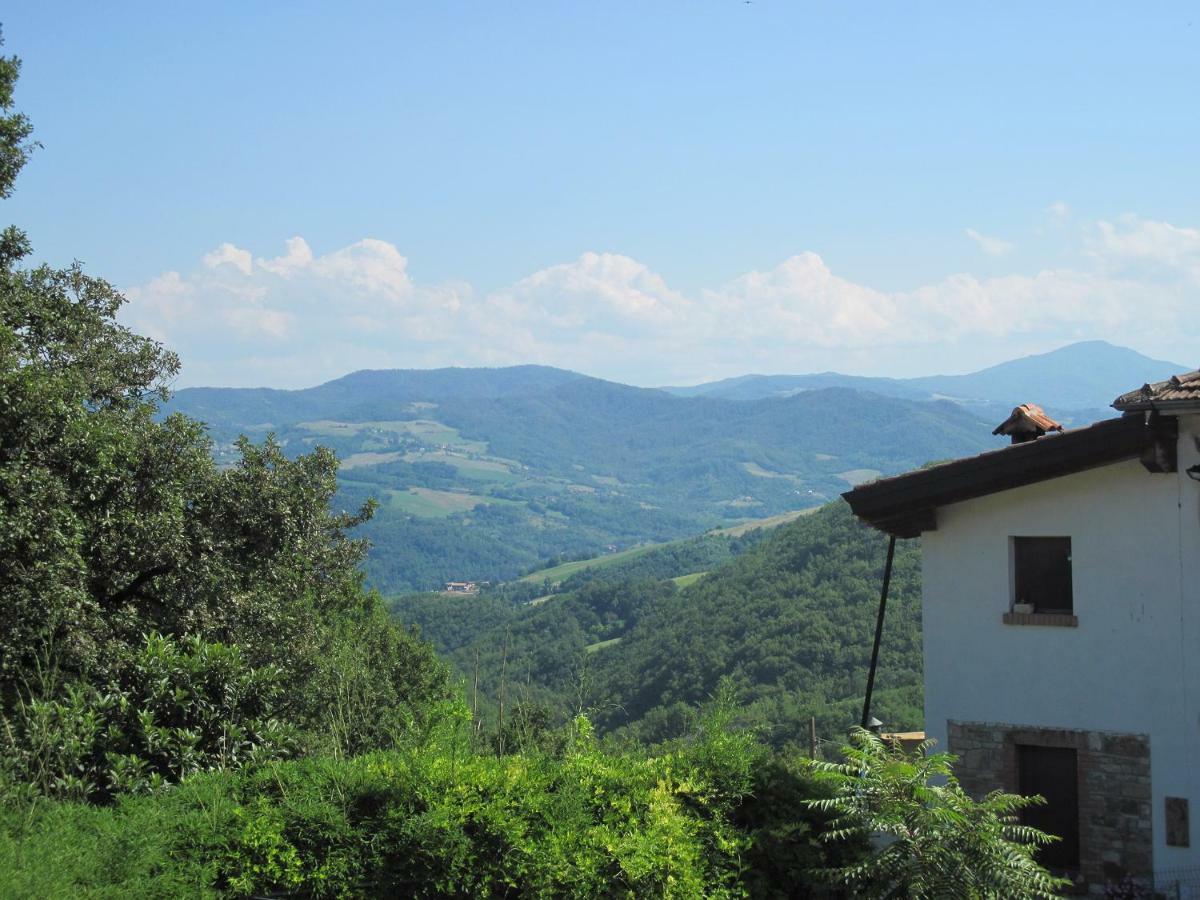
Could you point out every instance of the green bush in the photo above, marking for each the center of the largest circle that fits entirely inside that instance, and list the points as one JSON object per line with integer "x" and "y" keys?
{"x": 129, "y": 849}
{"x": 443, "y": 820}
{"x": 182, "y": 707}
{"x": 435, "y": 818}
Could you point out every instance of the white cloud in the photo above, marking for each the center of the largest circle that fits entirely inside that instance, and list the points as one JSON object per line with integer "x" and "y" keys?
{"x": 228, "y": 254}
{"x": 253, "y": 322}
{"x": 1059, "y": 211}
{"x": 235, "y": 304}
{"x": 301, "y": 317}
{"x": 992, "y": 246}
{"x": 1160, "y": 247}
{"x": 597, "y": 290}
{"x": 298, "y": 256}
{"x": 375, "y": 267}
{"x": 802, "y": 303}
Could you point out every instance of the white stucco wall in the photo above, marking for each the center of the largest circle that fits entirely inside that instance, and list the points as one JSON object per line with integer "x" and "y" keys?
{"x": 1132, "y": 664}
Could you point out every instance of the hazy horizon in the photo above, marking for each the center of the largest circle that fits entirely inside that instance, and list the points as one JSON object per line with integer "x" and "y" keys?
{"x": 1182, "y": 367}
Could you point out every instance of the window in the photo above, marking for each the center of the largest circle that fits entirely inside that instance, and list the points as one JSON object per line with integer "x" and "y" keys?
{"x": 1053, "y": 773}
{"x": 1042, "y": 574}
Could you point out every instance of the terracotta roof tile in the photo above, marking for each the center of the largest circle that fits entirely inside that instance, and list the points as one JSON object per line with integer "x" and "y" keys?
{"x": 1177, "y": 390}
{"x": 1028, "y": 418}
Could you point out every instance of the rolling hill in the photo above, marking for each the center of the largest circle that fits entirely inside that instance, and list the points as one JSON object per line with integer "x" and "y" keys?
{"x": 788, "y": 616}
{"x": 485, "y": 474}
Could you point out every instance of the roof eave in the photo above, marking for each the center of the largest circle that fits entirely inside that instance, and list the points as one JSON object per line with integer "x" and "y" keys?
{"x": 1165, "y": 407}
{"x": 906, "y": 505}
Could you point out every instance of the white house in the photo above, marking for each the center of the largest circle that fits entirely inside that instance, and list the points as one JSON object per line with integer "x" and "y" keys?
{"x": 1061, "y": 616}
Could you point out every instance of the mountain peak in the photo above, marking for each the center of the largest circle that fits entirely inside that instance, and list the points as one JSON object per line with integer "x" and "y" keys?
{"x": 1085, "y": 375}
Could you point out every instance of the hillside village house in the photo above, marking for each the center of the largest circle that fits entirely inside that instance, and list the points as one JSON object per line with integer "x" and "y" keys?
{"x": 1061, "y": 613}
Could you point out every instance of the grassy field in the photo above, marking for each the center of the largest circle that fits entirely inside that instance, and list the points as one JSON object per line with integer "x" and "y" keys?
{"x": 428, "y": 503}
{"x": 684, "y": 580}
{"x": 600, "y": 645}
{"x": 759, "y": 472}
{"x": 768, "y": 522}
{"x": 567, "y": 569}
{"x": 468, "y": 467}
{"x": 425, "y": 430}
{"x": 369, "y": 458}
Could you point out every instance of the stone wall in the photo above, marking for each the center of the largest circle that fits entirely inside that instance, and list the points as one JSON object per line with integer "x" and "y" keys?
{"x": 1115, "y": 808}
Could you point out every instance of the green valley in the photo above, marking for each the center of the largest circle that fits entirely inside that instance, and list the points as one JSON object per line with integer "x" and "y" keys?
{"x": 786, "y": 614}
{"x": 491, "y": 474}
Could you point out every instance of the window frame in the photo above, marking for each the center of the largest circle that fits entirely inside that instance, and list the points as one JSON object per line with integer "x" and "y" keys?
{"x": 1033, "y": 557}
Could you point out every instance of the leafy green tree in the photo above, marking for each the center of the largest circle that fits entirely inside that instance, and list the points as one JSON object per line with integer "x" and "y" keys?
{"x": 15, "y": 147}
{"x": 933, "y": 840}
{"x": 117, "y": 528}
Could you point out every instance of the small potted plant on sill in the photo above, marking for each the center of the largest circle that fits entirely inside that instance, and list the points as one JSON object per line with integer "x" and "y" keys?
{"x": 1023, "y": 608}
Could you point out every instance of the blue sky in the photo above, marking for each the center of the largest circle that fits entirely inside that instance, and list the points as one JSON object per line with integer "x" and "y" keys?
{"x": 652, "y": 192}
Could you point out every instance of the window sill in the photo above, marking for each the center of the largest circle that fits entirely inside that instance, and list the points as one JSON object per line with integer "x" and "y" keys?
{"x": 1060, "y": 620}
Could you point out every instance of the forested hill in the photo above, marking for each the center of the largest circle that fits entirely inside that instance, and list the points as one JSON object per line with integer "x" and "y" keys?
{"x": 485, "y": 474}
{"x": 790, "y": 620}
{"x": 557, "y": 420}
{"x": 364, "y": 395}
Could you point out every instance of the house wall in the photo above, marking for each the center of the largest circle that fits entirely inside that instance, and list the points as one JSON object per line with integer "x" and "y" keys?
{"x": 1131, "y": 665}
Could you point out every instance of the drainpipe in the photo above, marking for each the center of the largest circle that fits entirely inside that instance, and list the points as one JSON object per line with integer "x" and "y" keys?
{"x": 883, "y": 595}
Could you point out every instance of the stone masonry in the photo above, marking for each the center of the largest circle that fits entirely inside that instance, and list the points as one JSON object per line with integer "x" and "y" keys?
{"x": 1115, "y": 807}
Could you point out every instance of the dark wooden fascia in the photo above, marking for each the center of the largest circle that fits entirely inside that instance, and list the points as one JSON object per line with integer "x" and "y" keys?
{"x": 906, "y": 504}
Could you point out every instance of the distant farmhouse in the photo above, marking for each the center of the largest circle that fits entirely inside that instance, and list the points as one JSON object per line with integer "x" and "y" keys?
{"x": 462, "y": 587}
{"x": 1062, "y": 626}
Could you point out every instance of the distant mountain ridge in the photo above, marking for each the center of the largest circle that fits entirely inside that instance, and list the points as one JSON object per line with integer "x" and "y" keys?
{"x": 484, "y": 474}
{"x": 1083, "y": 376}
{"x": 363, "y": 392}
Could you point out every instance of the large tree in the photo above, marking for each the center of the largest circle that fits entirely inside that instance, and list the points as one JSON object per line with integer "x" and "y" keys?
{"x": 116, "y": 524}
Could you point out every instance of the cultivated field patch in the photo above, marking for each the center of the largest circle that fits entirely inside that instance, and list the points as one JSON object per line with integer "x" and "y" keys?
{"x": 430, "y": 504}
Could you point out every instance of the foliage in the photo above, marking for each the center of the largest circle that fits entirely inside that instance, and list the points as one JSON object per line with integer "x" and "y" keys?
{"x": 373, "y": 682}
{"x": 432, "y": 818}
{"x": 713, "y": 814}
{"x": 933, "y": 840}
{"x": 786, "y": 833}
{"x": 451, "y": 621}
{"x": 15, "y": 148}
{"x": 699, "y": 554}
{"x": 790, "y": 620}
{"x": 791, "y": 623}
{"x": 180, "y": 709}
{"x": 162, "y": 614}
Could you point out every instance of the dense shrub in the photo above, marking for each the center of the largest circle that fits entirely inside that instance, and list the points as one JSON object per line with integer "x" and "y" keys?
{"x": 713, "y": 815}
{"x": 434, "y": 819}
{"x": 181, "y": 707}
